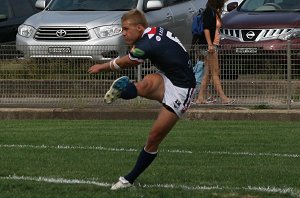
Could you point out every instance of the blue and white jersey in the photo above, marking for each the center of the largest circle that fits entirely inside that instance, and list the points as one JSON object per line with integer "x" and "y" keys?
{"x": 167, "y": 53}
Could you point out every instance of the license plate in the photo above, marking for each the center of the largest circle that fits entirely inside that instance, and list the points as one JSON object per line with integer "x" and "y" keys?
{"x": 59, "y": 50}
{"x": 246, "y": 50}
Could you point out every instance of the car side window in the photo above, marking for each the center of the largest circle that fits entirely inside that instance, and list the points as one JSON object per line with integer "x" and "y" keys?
{"x": 252, "y": 5}
{"x": 288, "y": 4}
{"x": 4, "y": 8}
{"x": 173, "y": 2}
{"x": 22, "y": 7}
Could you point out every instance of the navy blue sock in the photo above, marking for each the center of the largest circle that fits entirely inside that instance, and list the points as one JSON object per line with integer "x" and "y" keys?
{"x": 143, "y": 161}
{"x": 130, "y": 92}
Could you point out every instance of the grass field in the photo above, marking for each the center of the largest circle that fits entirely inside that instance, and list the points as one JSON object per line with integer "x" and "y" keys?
{"x": 61, "y": 158}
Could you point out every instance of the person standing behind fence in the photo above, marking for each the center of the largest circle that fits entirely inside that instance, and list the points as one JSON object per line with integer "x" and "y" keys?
{"x": 209, "y": 42}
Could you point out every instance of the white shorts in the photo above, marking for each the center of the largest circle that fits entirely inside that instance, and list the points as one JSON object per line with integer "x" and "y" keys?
{"x": 177, "y": 98}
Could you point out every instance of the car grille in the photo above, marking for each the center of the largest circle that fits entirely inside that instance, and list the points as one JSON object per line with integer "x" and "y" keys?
{"x": 254, "y": 35}
{"x": 62, "y": 33}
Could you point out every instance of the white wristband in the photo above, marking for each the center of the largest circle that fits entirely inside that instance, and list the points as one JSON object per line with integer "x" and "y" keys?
{"x": 111, "y": 66}
{"x": 115, "y": 65}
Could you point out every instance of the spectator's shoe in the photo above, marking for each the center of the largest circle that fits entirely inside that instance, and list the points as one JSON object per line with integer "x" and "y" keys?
{"x": 230, "y": 102}
{"x": 122, "y": 183}
{"x": 211, "y": 100}
{"x": 116, "y": 89}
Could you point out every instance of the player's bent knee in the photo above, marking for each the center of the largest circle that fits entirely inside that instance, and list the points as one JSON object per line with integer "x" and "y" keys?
{"x": 142, "y": 85}
{"x": 145, "y": 88}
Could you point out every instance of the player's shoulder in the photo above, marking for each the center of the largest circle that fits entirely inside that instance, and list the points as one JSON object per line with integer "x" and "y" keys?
{"x": 150, "y": 32}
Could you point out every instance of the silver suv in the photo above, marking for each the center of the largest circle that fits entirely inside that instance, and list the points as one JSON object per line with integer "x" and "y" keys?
{"x": 92, "y": 28}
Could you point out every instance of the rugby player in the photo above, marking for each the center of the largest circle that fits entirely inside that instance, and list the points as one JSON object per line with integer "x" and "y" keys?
{"x": 173, "y": 86}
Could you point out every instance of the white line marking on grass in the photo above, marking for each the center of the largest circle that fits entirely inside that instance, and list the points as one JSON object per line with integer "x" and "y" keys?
{"x": 55, "y": 180}
{"x": 269, "y": 189}
{"x": 66, "y": 147}
{"x": 253, "y": 154}
{"x": 101, "y": 148}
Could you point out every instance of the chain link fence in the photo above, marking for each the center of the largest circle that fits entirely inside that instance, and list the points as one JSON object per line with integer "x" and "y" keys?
{"x": 252, "y": 76}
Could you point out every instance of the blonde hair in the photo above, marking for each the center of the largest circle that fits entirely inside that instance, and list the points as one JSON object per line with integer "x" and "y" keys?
{"x": 136, "y": 17}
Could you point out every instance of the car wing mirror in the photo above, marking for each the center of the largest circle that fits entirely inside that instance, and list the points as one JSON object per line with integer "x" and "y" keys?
{"x": 231, "y": 6}
{"x": 153, "y": 5}
{"x": 3, "y": 17}
{"x": 40, "y": 4}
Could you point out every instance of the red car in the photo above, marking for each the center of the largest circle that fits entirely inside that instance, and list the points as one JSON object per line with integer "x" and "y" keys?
{"x": 255, "y": 36}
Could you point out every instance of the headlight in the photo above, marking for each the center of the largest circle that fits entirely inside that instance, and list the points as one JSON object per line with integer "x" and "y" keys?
{"x": 25, "y": 30}
{"x": 107, "y": 31}
{"x": 295, "y": 33}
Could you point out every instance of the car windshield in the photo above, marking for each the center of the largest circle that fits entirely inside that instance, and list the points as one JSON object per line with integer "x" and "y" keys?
{"x": 270, "y": 5}
{"x": 92, "y": 5}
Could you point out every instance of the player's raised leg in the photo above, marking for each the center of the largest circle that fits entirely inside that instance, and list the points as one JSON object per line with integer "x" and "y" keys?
{"x": 151, "y": 87}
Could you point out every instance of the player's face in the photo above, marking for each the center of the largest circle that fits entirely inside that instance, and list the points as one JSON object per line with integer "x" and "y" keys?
{"x": 131, "y": 32}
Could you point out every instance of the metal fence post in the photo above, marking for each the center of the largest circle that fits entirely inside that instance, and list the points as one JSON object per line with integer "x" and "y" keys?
{"x": 139, "y": 72}
{"x": 139, "y": 78}
{"x": 289, "y": 73}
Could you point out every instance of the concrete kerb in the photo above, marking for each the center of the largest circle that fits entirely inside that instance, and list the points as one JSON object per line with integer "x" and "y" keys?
{"x": 77, "y": 113}
{"x": 244, "y": 114}
{"x": 144, "y": 113}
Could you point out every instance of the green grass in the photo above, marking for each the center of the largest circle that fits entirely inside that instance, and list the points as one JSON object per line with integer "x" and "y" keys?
{"x": 197, "y": 159}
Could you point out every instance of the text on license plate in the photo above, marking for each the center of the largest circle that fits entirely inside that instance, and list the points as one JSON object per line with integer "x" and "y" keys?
{"x": 246, "y": 50}
{"x": 59, "y": 50}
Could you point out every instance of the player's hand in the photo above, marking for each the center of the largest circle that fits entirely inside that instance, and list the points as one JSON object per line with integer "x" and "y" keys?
{"x": 94, "y": 69}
